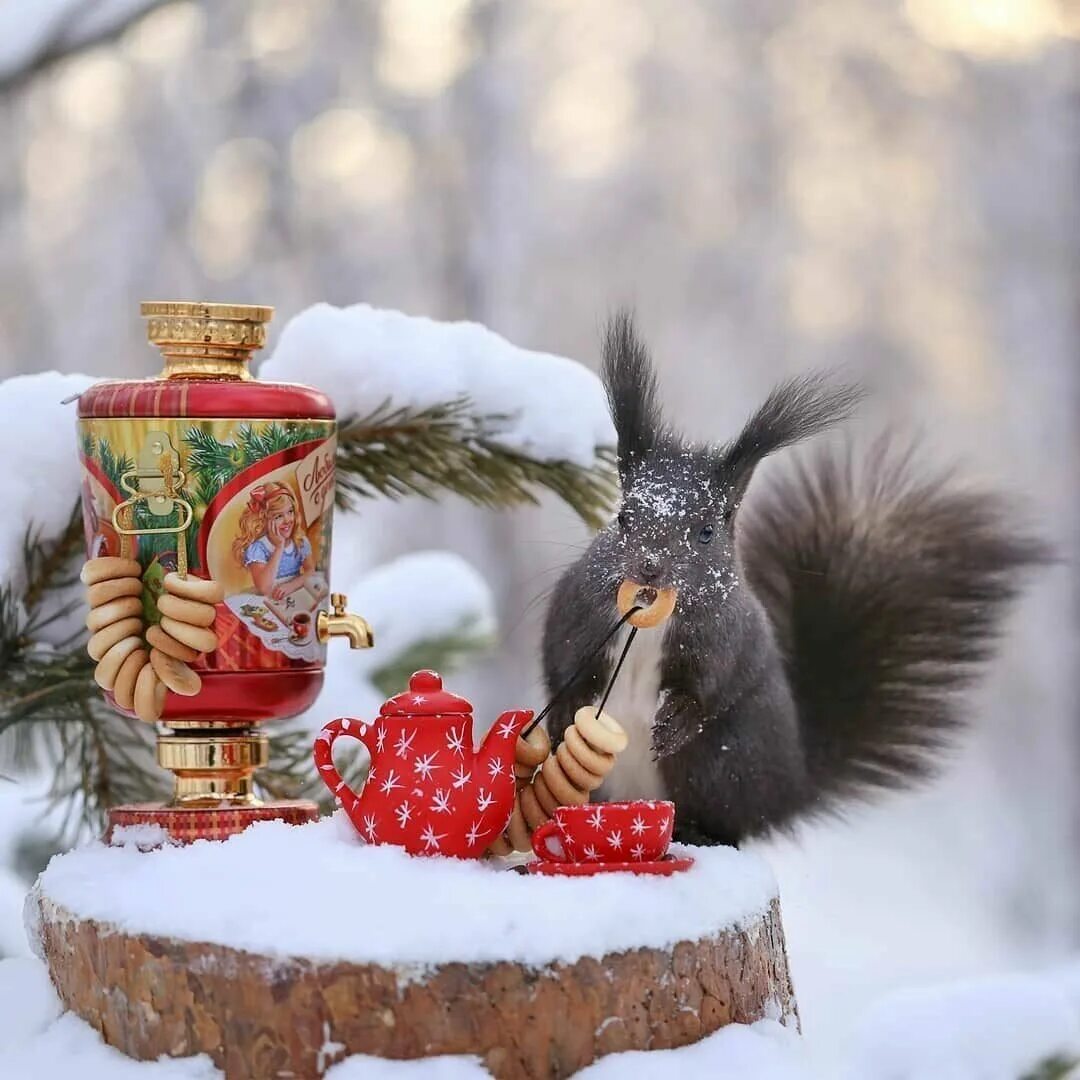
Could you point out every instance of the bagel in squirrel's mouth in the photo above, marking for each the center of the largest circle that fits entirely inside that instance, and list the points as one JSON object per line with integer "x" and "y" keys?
{"x": 656, "y": 604}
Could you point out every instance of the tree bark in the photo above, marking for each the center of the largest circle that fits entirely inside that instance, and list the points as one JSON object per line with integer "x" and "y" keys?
{"x": 269, "y": 1017}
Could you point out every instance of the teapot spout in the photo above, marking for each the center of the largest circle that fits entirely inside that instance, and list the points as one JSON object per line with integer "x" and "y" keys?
{"x": 500, "y": 741}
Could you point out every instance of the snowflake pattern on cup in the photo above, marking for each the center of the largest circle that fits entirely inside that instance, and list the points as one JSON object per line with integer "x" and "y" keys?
{"x": 616, "y": 832}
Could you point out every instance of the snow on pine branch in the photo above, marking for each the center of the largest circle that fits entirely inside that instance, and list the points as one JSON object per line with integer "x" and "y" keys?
{"x": 545, "y": 407}
{"x": 421, "y": 597}
{"x": 40, "y": 485}
{"x": 34, "y": 32}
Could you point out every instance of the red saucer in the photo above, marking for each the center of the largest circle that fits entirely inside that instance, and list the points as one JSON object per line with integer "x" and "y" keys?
{"x": 669, "y": 864}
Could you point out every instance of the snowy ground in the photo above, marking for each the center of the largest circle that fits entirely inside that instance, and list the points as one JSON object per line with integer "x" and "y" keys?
{"x": 993, "y": 1028}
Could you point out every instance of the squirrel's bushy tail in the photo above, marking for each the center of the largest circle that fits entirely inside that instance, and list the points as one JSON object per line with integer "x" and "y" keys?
{"x": 887, "y": 588}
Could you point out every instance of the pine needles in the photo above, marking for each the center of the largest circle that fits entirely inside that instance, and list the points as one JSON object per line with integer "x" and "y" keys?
{"x": 397, "y": 452}
{"x": 51, "y": 713}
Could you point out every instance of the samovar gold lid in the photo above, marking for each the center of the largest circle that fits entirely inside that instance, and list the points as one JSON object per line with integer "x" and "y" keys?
{"x": 202, "y": 340}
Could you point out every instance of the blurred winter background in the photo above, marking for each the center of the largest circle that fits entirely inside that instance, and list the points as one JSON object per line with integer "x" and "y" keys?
{"x": 776, "y": 185}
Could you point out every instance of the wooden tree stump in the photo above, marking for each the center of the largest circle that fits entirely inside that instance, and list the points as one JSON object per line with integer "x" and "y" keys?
{"x": 272, "y": 1015}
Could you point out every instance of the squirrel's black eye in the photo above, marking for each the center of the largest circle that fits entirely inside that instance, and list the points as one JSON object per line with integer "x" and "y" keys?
{"x": 705, "y": 535}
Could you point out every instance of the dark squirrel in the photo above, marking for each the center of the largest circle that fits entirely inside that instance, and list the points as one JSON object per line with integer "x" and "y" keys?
{"x": 823, "y": 630}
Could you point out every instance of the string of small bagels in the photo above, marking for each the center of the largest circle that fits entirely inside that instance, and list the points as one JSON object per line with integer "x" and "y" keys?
{"x": 137, "y": 663}
{"x": 546, "y": 781}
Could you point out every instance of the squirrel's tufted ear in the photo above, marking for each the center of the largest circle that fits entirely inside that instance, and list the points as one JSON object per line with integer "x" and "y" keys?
{"x": 795, "y": 410}
{"x": 632, "y": 393}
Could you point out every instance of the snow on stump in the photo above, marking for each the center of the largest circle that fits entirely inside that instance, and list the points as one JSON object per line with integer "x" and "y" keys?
{"x": 287, "y": 948}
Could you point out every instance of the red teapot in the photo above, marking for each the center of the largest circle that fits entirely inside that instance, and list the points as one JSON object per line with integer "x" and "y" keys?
{"x": 428, "y": 790}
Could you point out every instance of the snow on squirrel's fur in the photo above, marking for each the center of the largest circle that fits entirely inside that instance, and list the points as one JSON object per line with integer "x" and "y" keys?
{"x": 546, "y": 407}
{"x": 344, "y": 900}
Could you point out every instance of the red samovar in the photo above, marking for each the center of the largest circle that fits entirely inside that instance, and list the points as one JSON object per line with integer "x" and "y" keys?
{"x": 206, "y": 472}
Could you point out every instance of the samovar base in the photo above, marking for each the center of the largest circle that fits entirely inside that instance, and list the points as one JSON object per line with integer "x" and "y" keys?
{"x": 214, "y": 793}
{"x": 185, "y": 824}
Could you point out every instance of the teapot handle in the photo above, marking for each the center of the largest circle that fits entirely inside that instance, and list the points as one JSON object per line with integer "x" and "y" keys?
{"x": 350, "y": 728}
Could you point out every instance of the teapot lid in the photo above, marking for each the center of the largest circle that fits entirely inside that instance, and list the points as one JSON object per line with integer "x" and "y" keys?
{"x": 425, "y": 697}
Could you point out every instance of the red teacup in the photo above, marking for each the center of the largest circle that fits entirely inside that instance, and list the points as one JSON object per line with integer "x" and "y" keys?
{"x": 637, "y": 831}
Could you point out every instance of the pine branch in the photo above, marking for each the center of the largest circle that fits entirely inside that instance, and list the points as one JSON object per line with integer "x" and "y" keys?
{"x": 101, "y": 761}
{"x": 1056, "y": 1067}
{"x": 47, "y": 562}
{"x": 404, "y": 451}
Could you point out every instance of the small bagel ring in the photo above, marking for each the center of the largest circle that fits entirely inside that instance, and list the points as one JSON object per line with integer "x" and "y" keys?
{"x": 106, "y": 638}
{"x": 544, "y": 795}
{"x": 591, "y": 760}
{"x": 175, "y": 674}
{"x": 560, "y": 785}
{"x": 108, "y": 567}
{"x": 533, "y": 750}
{"x": 204, "y": 590}
{"x": 157, "y": 638}
{"x": 149, "y": 696}
{"x": 657, "y": 612}
{"x": 186, "y": 611}
{"x": 602, "y": 732}
{"x": 109, "y": 665}
{"x": 576, "y": 773}
{"x": 531, "y": 810}
{"x": 196, "y": 637}
{"x": 123, "y": 690}
{"x": 518, "y": 831}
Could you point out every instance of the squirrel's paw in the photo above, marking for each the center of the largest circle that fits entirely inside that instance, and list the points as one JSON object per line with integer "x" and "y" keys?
{"x": 677, "y": 723}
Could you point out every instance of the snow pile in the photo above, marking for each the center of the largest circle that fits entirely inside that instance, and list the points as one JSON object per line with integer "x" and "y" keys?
{"x": 763, "y": 1051}
{"x": 23, "y": 819}
{"x": 547, "y": 407}
{"x": 363, "y": 1067}
{"x": 417, "y": 597}
{"x": 28, "y": 1003}
{"x": 38, "y": 432}
{"x": 986, "y": 1029}
{"x": 140, "y": 837}
{"x": 12, "y": 896}
{"x": 422, "y": 912}
{"x": 70, "y": 1048}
